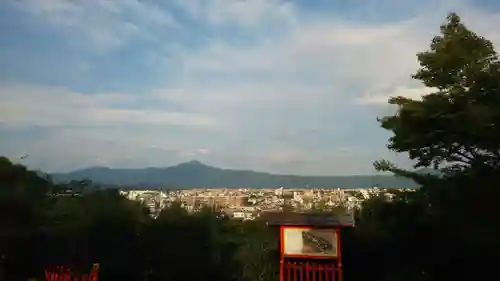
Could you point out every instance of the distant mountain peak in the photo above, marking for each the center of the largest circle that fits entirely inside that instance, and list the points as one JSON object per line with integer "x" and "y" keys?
{"x": 192, "y": 163}
{"x": 98, "y": 168}
{"x": 194, "y": 174}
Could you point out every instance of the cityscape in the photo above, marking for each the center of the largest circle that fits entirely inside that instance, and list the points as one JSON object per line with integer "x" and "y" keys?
{"x": 249, "y": 140}
{"x": 249, "y": 204}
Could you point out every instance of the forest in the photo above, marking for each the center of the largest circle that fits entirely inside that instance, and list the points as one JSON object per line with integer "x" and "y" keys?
{"x": 446, "y": 230}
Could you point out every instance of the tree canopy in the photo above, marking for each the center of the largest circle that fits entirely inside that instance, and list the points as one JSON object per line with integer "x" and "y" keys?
{"x": 455, "y": 128}
{"x": 458, "y": 124}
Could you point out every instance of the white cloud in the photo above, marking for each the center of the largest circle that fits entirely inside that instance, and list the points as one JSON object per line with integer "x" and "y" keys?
{"x": 325, "y": 60}
{"x": 49, "y": 106}
{"x": 203, "y": 150}
{"x": 248, "y": 14}
{"x": 383, "y": 97}
{"x": 334, "y": 54}
{"x": 313, "y": 65}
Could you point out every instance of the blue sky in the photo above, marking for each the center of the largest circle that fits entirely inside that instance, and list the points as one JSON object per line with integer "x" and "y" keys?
{"x": 269, "y": 85}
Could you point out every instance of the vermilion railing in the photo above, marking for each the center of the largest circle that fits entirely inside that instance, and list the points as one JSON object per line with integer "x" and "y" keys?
{"x": 64, "y": 273}
{"x": 308, "y": 271}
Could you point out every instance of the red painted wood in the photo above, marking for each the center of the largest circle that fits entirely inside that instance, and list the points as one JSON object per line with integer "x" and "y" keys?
{"x": 327, "y": 272}
{"x": 308, "y": 270}
{"x": 294, "y": 271}
{"x": 301, "y": 271}
{"x": 282, "y": 257}
{"x": 339, "y": 255}
{"x": 315, "y": 267}
{"x": 334, "y": 272}
{"x": 63, "y": 273}
{"x": 289, "y": 271}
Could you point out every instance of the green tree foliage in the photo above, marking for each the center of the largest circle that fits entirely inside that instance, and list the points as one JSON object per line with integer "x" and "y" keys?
{"x": 199, "y": 246}
{"x": 21, "y": 203}
{"x": 259, "y": 252}
{"x": 458, "y": 124}
{"x": 449, "y": 228}
{"x": 44, "y": 225}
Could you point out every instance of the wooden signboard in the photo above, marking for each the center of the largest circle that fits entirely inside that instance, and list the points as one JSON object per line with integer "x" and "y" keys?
{"x": 310, "y": 244}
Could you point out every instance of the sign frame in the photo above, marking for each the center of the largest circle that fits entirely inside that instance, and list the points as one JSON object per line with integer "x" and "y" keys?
{"x": 283, "y": 239}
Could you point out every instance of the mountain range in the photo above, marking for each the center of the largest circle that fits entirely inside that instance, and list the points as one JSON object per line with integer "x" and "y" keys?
{"x": 194, "y": 174}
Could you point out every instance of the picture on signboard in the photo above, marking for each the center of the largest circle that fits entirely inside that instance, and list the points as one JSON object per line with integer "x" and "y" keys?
{"x": 309, "y": 242}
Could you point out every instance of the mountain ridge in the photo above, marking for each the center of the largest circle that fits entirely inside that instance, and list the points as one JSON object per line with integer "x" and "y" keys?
{"x": 194, "y": 174}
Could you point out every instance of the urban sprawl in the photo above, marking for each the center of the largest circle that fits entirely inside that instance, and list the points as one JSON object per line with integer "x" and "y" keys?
{"x": 248, "y": 204}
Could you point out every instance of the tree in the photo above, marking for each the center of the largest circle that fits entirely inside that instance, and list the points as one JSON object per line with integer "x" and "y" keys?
{"x": 457, "y": 125}
{"x": 191, "y": 246}
{"x": 41, "y": 229}
{"x": 456, "y": 129}
{"x": 259, "y": 252}
{"x": 22, "y": 199}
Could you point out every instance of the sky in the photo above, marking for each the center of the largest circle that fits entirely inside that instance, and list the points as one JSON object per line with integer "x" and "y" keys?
{"x": 290, "y": 87}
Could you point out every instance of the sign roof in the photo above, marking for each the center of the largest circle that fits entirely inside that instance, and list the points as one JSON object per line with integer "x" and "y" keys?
{"x": 309, "y": 219}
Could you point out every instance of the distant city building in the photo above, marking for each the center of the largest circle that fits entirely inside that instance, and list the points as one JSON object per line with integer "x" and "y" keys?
{"x": 247, "y": 204}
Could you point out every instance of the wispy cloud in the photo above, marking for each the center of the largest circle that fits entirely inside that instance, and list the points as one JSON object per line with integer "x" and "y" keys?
{"x": 248, "y": 14}
{"x": 102, "y": 23}
{"x": 51, "y": 106}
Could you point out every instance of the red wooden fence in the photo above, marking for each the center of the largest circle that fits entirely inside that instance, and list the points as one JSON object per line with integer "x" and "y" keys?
{"x": 64, "y": 273}
{"x": 308, "y": 271}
